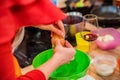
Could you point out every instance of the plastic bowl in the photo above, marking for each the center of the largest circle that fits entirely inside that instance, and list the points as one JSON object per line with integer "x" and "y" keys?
{"x": 105, "y": 64}
{"x": 74, "y": 70}
{"x": 111, "y": 44}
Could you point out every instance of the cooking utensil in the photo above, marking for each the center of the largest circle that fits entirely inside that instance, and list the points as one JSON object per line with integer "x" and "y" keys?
{"x": 105, "y": 64}
{"x": 72, "y": 71}
{"x": 72, "y": 23}
{"x": 108, "y": 16}
{"x": 110, "y": 38}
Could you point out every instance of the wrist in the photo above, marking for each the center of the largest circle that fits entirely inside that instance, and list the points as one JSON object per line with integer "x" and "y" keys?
{"x": 48, "y": 67}
{"x": 56, "y": 59}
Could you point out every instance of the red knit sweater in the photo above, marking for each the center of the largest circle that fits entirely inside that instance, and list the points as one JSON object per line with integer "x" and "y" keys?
{"x": 13, "y": 15}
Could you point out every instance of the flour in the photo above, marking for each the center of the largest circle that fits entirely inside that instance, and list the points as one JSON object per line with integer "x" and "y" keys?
{"x": 104, "y": 70}
{"x": 106, "y": 38}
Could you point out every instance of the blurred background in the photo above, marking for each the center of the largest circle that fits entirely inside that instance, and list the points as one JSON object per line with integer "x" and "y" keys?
{"x": 36, "y": 40}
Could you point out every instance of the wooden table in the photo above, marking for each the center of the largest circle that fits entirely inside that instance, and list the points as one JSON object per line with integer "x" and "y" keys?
{"x": 91, "y": 71}
{"x": 95, "y": 51}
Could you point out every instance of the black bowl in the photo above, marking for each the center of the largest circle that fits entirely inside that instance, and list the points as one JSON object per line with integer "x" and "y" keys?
{"x": 108, "y": 16}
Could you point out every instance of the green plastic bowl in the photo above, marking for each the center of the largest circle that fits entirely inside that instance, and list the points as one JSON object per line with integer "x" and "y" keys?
{"x": 72, "y": 71}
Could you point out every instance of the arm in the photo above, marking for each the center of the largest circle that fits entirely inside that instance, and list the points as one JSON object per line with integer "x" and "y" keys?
{"x": 12, "y": 17}
{"x": 57, "y": 28}
{"x": 61, "y": 56}
{"x": 7, "y": 71}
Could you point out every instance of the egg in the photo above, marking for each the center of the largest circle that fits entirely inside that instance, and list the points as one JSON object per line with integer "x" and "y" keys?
{"x": 106, "y": 38}
{"x": 55, "y": 37}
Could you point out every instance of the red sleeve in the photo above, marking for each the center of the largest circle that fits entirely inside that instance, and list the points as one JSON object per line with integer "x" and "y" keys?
{"x": 18, "y": 13}
{"x": 13, "y": 15}
{"x": 7, "y": 71}
{"x": 33, "y": 75}
{"x": 39, "y": 12}
{"x": 24, "y": 2}
{"x": 30, "y": 12}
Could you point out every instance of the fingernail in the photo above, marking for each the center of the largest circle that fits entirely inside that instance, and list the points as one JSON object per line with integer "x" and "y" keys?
{"x": 63, "y": 34}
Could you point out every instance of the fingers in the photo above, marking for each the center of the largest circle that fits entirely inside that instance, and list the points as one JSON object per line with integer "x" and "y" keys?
{"x": 67, "y": 44}
{"x": 58, "y": 28}
{"x": 57, "y": 42}
{"x": 57, "y": 31}
{"x": 51, "y": 34}
{"x": 72, "y": 59}
{"x": 61, "y": 26}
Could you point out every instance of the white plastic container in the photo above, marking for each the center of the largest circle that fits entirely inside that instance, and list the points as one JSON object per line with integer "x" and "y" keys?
{"x": 105, "y": 64}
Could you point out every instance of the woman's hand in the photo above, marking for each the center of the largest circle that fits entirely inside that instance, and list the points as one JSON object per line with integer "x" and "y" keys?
{"x": 60, "y": 56}
{"x": 63, "y": 54}
{"x": 57, "y": 28}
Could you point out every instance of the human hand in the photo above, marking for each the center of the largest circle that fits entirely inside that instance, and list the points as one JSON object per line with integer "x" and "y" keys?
{"x": 57, "y": 28}
{"x": 55, "y": 37}
{"x": 63, "y": 54}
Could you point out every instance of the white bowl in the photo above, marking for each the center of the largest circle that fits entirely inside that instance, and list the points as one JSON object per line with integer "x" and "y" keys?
{"x": 105, "y": 64}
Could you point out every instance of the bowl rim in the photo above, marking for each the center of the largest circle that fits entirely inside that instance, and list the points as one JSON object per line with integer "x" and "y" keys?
{"x": 73, "y": 74}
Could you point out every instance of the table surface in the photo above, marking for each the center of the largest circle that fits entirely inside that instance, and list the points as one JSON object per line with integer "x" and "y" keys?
{"x": 91, "y": 71}
{"x": 96, "y": 51}
{"x": 116, "y": 73}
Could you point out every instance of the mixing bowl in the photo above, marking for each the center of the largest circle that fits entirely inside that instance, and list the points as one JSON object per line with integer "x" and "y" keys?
{"x": 72, "y": 71}
{"x": 105, "y": 64}
{"x": 109, "y": 38}
{"x": 72, "y": 22}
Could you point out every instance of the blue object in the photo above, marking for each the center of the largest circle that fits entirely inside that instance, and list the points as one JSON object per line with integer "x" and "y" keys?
{"x": 54, "y": 2}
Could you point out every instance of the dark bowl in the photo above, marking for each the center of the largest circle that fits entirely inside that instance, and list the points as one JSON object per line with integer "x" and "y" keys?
{"x": 108, "y": 16}
{"x": 72, "y": 23}
{"x": 83, "y": 10}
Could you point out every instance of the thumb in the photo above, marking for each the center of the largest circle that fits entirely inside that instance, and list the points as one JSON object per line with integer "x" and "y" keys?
{"x": 68, "y": 45}
{"x": 57, "y": 42}
{"x": 57, "y": 31}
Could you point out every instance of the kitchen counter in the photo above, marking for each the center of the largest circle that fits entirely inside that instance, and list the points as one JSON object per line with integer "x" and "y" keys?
{"x": 92, "y": 72}
{"x": 116, "y": 73}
